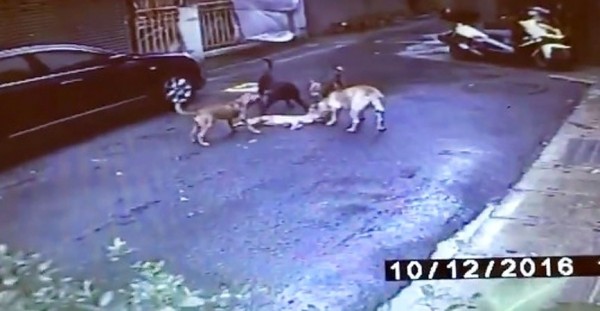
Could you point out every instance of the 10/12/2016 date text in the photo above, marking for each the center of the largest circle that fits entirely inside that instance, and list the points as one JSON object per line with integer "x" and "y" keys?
{"x": 490, "y": 268}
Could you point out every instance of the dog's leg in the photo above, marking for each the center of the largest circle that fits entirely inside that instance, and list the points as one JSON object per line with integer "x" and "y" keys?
{"x": 251, "y": 128}
{"x": 231, "y": 125}
{"x": 194, "y": 133}
{"x": 295, "y": 126}
{"x": 302, "y": 104}
{"x": 202, "y": 134}
{"x": 332, "y": 117}
{"x": 379, "y": 115}
{"x": 355, "y": 117}
{"x": 266, "y": 106}
{"x": 238, "y": 122}
{"x": 361, "y": 116}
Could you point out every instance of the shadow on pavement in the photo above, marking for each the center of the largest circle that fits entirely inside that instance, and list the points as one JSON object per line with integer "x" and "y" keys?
{"x": 38, "y": 144}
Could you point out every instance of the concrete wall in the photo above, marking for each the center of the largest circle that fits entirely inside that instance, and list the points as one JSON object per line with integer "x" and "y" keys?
{"x": 590, "y": 22}
{"x": 321, "y": 14}
{"x": 191, "y": 34}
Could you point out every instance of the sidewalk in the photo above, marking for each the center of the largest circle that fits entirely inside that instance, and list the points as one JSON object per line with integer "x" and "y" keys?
{"x": 553, "y": 210}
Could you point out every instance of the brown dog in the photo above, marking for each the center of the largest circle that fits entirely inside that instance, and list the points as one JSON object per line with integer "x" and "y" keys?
{"x": 233, "y": 112}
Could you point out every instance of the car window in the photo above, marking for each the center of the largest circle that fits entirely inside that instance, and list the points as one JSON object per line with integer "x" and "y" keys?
{"x": 14, "y": 69}
{"x": 60, "y": 61}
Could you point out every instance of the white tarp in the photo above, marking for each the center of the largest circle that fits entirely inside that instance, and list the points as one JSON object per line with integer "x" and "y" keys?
{"x": 269, "y": 20}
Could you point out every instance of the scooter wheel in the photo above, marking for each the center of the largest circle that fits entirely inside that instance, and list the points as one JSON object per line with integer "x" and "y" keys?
{"x": 560, "y": 60}
{"x": 540, "y": 61}
{"x": 458, "y": 53}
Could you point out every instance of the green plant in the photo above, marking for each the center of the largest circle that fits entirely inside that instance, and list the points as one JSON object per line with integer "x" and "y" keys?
{"x": 29, "y": 283}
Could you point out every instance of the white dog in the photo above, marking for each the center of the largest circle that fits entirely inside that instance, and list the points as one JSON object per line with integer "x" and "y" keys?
{"x": 356, "y": 99}
{"x": 294, "y": 122}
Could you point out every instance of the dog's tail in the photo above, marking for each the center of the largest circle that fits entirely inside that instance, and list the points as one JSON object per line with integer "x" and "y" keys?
{"x": 377, "y": 104}
{"x": 269, "y": 63}
{"x": 376, "y": 93}
{"x": 182, "y": 111}
{"x": 376, "y": 99}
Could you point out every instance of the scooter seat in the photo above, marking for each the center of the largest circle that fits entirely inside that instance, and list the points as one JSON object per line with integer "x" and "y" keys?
{"x": 502, "y": 35}
{"x": 499, "y": 33}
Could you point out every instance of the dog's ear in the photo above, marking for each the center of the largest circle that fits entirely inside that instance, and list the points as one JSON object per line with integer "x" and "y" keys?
{"x": 242, "y": 100}
{"x": 248, "y": 99}
{"x": 314, "y": 86}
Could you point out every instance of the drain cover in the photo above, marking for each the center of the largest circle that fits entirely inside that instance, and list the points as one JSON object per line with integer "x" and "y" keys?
{"x": 582, "y": 151}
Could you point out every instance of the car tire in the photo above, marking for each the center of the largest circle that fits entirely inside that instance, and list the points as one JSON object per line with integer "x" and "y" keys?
{"x": 177, "y": 90}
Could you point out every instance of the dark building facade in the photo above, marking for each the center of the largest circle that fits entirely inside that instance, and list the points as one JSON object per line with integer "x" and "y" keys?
{"x": 101, "y": 23}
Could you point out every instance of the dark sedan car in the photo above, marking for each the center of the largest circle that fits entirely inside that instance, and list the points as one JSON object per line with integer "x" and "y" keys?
{"x": 44, "y": 85}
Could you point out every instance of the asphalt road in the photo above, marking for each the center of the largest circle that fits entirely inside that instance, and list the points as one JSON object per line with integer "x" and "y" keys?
{"x": 311, "y": 213}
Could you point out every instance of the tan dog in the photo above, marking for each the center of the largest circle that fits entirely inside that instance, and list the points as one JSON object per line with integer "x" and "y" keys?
{"x": 204, "y": 118}
{"x": 294, "y": 122}
{"x": 356, "y": 99}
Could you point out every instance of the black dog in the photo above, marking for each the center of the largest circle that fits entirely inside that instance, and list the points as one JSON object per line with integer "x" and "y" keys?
{"x": 334, "y": 82}
{"x": 266, "y": 79}
{"x": 272, "y": 91}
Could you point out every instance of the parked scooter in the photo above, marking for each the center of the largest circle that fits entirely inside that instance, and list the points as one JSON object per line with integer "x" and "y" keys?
{"x": 529, "y": 37}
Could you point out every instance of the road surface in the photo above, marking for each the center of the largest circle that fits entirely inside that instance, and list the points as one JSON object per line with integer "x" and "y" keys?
{"x": 311, "y": 213}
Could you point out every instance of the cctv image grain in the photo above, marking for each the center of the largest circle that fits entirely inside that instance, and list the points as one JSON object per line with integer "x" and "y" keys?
{"x": 299, "y": 155}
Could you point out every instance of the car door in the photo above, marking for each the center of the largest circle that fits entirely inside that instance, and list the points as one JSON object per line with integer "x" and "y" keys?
{"x": 23, "y": 97}
{"x": 88, "y": 81}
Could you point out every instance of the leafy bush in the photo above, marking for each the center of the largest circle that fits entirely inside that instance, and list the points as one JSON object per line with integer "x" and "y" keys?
{"x": 30, "y": 283}
{"x": 510, "y": 295}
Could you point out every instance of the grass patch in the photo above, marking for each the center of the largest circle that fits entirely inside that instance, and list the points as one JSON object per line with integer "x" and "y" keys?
{"x": 28, "y": 282}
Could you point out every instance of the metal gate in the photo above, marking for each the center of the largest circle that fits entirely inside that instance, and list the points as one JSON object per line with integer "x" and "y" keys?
{"x": 155, "y": 26}
{"x": 99, "y": 23}
{"x": 218, "y": 23}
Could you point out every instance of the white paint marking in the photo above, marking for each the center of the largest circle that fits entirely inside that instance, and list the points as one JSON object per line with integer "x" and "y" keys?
{"x": 250, "y": 61}
{"x": 39, "y": 127}
{"x": 283, "y": 60}
{"x": 340, "y": 44}
{"x": 249, "y": 87}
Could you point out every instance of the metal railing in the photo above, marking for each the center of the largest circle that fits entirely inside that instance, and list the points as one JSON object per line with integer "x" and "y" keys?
{"x": 218, "y": 23}
{"x": 155, "y": 25}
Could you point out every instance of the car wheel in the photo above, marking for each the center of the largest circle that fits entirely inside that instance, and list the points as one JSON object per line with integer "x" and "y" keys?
{"x": 177, "y": 90}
